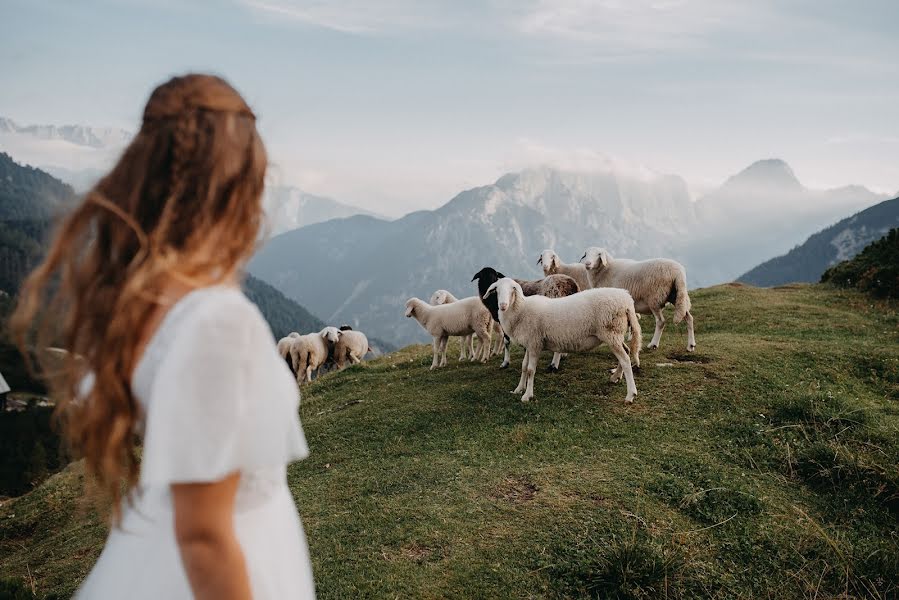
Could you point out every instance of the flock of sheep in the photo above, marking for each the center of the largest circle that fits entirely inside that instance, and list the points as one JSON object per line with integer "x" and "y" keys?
{"x": 574, "y": 308}
{"x": 319, "y": 351}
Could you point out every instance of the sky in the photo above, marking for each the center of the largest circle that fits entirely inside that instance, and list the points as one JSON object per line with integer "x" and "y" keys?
{"x": 398, "y": 105}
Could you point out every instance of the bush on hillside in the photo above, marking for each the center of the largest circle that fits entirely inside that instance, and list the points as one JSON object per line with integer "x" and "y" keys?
{"x": 874, "y": 270}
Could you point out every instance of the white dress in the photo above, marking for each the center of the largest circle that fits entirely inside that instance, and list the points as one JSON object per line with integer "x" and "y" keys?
{"x": 217, "y": 398}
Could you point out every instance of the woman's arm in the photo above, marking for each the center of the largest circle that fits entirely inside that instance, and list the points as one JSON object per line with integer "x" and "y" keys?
{"x": 204, "y": 529}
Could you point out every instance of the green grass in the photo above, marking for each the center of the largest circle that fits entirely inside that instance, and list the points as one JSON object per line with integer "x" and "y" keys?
{"x": 764, "y": 465}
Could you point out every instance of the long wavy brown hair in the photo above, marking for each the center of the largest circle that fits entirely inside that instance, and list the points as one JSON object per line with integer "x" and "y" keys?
{"x": 183, "y": 202}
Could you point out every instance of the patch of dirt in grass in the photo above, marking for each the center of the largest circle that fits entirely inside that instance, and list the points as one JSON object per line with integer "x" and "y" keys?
{"x": 515, "y": 489}
{"x": 412, "y": 552}
{"x": 693, "y": 357}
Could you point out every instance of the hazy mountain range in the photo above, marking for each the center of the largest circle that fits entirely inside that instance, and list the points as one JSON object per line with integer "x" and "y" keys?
{"x": 348, "y": 266}
{"x": 362, "y": 269}
{"x": 839, "y": 242}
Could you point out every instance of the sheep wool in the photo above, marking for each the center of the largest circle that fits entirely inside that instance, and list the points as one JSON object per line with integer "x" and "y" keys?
{"x": 652, "y": 284}
{"x": 571, "y": 324}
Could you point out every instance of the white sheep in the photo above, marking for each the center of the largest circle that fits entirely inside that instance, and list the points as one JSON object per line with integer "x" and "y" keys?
{"x": 553, "y": 265}
{"x": 460, "y": 318}
{"x": 652, "y": 284}
{"x": 571, "y": 324}
{"x": 352, "y": 345}
{"x": 309, "y": 352}
{"x": 467, "y": 346}
{"x": 284, "y": 348}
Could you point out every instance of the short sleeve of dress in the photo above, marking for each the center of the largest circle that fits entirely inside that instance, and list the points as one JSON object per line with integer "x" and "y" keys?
{"x": 219, "y": 401}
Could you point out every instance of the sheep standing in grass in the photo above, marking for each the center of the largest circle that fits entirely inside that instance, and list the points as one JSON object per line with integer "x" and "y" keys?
{"x": 553, "y": 286}
{"x": 309, "y": 352}
{"x": 351, "y": 345}
{"x": 284, "y": 349}
{"x": 652, "y": 284}
{"x": 572, "y": 324}
{"x": 553, "y": 265}
{"x": 460, "y": 318}
{"x": 467, "y": 345}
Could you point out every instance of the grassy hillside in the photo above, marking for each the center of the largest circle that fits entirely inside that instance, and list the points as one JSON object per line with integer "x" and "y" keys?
{"x": 764, "y": 465}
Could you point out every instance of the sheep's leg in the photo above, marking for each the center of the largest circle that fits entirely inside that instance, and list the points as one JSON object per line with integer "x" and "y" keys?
{"x": 471, "y": 352}
{"x": 554, "y": 363}
{"x": 660, "y": 325}
{"x": 463, "y": 342}
{"x": 624, "y": 363}
{"x": 443, "y": 344}
{"x": 484, "y": 350}
{"x": 309, "y": 373}
{"x": 436, "y": 346}
{"x": 507, "y": 355}
{"x": 522, "y": 381}
{"x": 533, "y": 357}
{"x": 691, "y": 339}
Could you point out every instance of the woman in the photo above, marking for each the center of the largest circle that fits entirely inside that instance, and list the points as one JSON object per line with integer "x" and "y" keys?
{"x": 141, "y": 285}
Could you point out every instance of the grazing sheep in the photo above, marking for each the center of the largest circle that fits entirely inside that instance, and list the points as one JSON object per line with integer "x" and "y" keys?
{"x": 553, "y": 286}
{"x": 552, "y": 265}
{"x": 460, "y": 318}
{"x": 652, "y": 284}
{"x": 284, "y": 349}
{"x": 467, "y": 346}
{"x": 571, "y": 324}
{"x": 309, "y": 352}
{"x": 352, "y": 345}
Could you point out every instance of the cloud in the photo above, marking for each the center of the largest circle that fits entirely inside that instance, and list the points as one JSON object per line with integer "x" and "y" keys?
{"x": 624, "y": 26}
{"x": 351, "y": 16}
{"x": 862, "y": 139}
{"x": 530, "y": 153}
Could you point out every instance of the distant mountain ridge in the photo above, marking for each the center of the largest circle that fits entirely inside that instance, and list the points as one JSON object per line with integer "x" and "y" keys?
{"x": 288, "y": 208}
{"x": 80, "y": 135}
{"x": 761, "y": 212}
{"x": 841, "y": 241}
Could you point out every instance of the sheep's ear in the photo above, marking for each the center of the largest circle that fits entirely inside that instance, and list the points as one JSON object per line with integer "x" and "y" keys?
{"x": 540, "y": 260}
{"x": 490, "y": 290}
{"x": 583, "y": 257}
{"x": 604, "y": 258}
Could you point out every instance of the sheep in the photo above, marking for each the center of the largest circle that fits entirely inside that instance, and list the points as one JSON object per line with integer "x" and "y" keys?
{"x": 553, "y": 286}
{"x": 552, "y": 265}
{"x": 467, "y": 346}
{"x": 284, "y": 349}
{"x": 309, "y": 352}
{"x": 571, "y": 324}
{"x": 352, "y": 345}
{"x": 460, "y": 318}
{"x": 652, "y": 284}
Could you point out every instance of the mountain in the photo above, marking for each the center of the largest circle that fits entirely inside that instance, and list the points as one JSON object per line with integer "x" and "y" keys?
{"x": 29, "y": 193}
{"x": 874, "y": 270}
{"x": 362, "y": 269}
{"x": 839, "y": 242}
{"x": 77, "y": 154}
{"x": 78, "y": 135}
{"x": 761, "y": 212}
{"x": 290, "y": 208}
{"x": 283, "y": 314}
{"x": 29, "y": 198}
